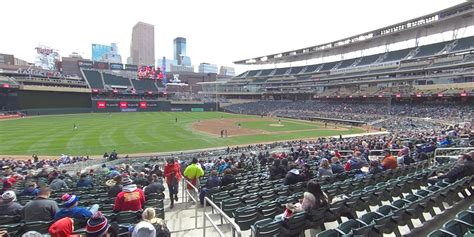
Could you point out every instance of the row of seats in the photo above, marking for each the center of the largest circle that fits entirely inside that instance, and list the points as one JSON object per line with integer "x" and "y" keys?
{"x": 462, "y": 225}
{"x": 360, "y": 200}
{"x": 388, "y": 218}
{"x": 247, "y": 212}
{"x": 423, "y": 51}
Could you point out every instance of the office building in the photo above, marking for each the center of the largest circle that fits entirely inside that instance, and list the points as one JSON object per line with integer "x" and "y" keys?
{"x": 227, "y": 71}
{"x": 106, "y": 53}
{"x": 179, "y": 52}
{"x": 168, "y": 64}
{"x": 7, "y": 59}
{"x": 142, "y": 46}
{"x": 207, "y": 68}
{"x": 181, "y": 68}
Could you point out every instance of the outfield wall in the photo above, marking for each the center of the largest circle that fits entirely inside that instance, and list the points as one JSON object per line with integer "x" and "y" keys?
{"x": 99, "y": 105}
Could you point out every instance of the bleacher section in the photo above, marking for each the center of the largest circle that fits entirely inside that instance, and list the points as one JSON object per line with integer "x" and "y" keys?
{"x": 94, "y": 79}
{"x": 393, "y": 56}
{"x": 144, "y": 85}
{"x": 464, "y": 44}
{"x": 396, "y": 55}
{"x": 431, "y": 49}
{"x": 113, "y": 80}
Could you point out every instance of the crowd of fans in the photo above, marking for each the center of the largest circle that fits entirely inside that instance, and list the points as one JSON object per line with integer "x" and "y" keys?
{"x": 411, "y": 140}
{"x": 357, "y": 110}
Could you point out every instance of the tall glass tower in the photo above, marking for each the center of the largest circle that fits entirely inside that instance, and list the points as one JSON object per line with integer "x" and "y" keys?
{"x": 179, "y": 48}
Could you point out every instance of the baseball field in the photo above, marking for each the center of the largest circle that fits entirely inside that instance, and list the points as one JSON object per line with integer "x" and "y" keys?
{"x": 138, "y": 133}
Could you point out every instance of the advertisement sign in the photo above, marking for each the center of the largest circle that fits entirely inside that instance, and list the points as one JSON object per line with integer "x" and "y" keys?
{"x": 101, "y": 65}
{"x": 197, "y": 109}
{"x": 143, "y": 105}
{"x": 116, "y": 66}
{"x": 85, "y": 64}
{"x": 130, "y": 67}
{"x": 123, "y": 104}
{"x": 101, "y": 105}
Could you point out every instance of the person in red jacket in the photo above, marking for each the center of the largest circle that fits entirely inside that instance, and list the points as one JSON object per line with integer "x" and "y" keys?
{"x": 131, "y": 198}
{"x": 172, "y": 174}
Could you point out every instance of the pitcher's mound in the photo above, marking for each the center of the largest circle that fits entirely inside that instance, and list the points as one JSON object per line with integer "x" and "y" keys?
{"x": 276, "y": 125}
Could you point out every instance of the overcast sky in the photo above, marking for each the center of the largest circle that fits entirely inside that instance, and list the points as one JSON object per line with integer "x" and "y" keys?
{"x": 217, "y": 31}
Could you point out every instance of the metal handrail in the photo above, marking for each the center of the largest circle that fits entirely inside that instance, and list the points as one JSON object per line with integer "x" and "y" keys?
{"x": 450, "y": 148}
{"x": 235, "y": 227}
{"x": 187, "y": 194}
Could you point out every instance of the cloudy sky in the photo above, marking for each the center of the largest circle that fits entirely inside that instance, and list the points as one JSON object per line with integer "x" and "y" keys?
{"x": 217, "y": 31}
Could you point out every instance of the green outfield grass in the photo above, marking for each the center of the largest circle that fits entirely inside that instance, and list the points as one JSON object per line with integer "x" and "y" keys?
{"x": 130, "y": 133}
{"x": 283, "y": 125}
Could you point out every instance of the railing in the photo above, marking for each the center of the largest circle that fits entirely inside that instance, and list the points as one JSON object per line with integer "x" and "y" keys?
{"x": 438, "y": 150}
{"x": 235, "y": 228}
{"x": 186, "y": 194}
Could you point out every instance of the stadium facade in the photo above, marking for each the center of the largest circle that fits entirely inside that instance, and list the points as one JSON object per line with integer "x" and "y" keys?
{"x": 438, "y": 70}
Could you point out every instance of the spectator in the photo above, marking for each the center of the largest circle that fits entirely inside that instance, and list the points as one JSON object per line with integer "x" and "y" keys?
{"x": 130, "y": 199}
{"x": 8, "y": 204}
{"x": 84, "y": 182}
{"x": 70, "y": 208}
{"x": 336, "y": 166}
{"x": 420, "y": 154}
{"x": 155, "y": 186}
{"x": 62, "y": 228}
{"x": 307, "y": 174}
{"x": 463, "y": 167}
{"x": 313, "y": 198}
{"x": 284, "y": 164}
{"x": 30, "y": 190}
{"x": 144, "y": 228}
{"x": 405, "y": 158}
{"x": 212, "y": 182}
{"x": 192, "y": 173}
{"x": 293, "y": 176}
{"x": 228, "y": 178}
{"x": 375, "y": 167}
{"x": 222, "y": 166}
{"x": 40, "y": 209}
{"x": 353, "y": 164}
{"x": 98, "y": 226}
{"x": 141, "y": 181}
{"x": 324, "y": 168}
{"x": 388, "y": 161}
{"x": 172, "y": 174}
{"x": 115, "y": 186}
{"x": 58, "y": 183}
{"x": 276, "y": 170}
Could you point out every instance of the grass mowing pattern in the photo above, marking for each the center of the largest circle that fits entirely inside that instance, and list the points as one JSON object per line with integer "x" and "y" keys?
{"x": 128, "y": 133}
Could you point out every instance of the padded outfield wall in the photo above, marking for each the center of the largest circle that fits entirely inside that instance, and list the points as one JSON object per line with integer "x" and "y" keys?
{"x": 99, "y": 105}
{"x": 52, "y": 102}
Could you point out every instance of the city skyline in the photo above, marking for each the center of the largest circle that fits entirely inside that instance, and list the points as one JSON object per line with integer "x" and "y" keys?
{"x": 220, "y": 34}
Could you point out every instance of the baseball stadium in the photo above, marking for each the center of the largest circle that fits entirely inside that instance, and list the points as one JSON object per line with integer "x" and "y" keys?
{"x": 352, "y": 137}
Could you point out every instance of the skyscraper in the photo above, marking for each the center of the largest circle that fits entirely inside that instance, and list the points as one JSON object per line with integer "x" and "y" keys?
{"x": 142, "y": 47}
{"x": 179, "y": 48}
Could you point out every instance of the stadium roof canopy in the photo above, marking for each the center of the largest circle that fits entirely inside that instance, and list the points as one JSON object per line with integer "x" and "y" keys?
{"x": 449, "y": 19}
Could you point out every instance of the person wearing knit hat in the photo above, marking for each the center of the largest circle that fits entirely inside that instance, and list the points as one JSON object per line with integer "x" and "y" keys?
{"x": 8, "y": 206}
{"x": 145, "y": 227}
{"x": 62, "y": 227}
{"x": 70, "y": 208}
{"x": 97, "y": 225}
{"x": 131, "y": 198}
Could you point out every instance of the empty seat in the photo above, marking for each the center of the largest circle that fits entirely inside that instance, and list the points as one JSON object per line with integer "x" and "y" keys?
{"x": 245, "y": 217}
{"x": 295, "y": 225}
{"x": 266, "y": 228}
{"x": 456, "y": 227}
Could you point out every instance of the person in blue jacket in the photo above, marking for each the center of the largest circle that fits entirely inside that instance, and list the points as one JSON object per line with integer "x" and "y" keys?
{"x": 70, "y": 209}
